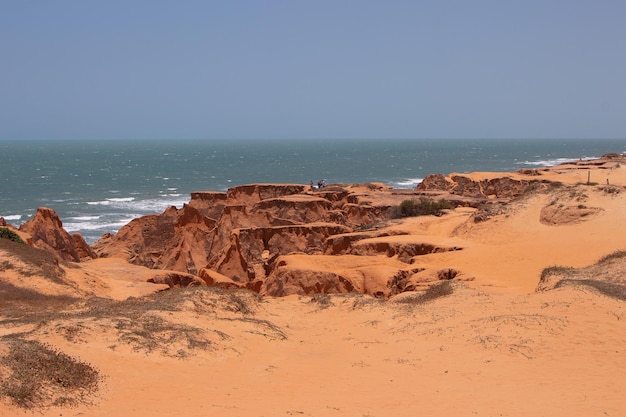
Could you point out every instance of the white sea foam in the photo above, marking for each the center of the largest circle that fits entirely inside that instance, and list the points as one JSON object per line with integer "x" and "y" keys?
{"x": 553, "y": 162}
{"x": 12, "y": 217}
{"x": 121, "y": 199}
{"x": 409, "y": 183}
{"x": 103, "y": 225}
{"x": 111, "y": 201}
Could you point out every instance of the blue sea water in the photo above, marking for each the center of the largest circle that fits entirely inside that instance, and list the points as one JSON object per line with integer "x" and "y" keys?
{"x": 99, "y": 186}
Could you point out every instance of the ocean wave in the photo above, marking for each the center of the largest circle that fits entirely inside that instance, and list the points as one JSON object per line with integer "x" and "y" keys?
{"x": 554, "y": 162}
{"x": 84, "y": 218}
{"x": 111, "y": 201}
{"x": 150, "y": 205}
{"x": 120, "y": 199}
{"x": 103, "y": 225}
{"x": 12, "y": 217}
{"x": 408, "y": 183}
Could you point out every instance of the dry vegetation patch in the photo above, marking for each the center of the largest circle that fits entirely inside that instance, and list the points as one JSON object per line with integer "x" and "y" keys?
{"x": 438, "y": 290}
{"x": 607, "y": 276}
{"x": 38, "y": 375}
{"x": 31, "y": 261}
{"x": 34, "y": 375}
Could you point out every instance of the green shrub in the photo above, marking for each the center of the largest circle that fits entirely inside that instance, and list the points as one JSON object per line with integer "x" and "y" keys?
{"x": 424, "y": 206}
{"x": 6, "y": 233}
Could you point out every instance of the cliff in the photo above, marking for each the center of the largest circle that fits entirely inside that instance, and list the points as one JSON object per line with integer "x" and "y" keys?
{"x": 234, "y": 239}
{"x": 46, "y": 232}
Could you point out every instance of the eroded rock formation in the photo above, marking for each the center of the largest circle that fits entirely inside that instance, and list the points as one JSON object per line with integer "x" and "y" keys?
{"x": 238, "y": 239}
{"x": 501, "y": 187}
{"x": 45, "y": 231}
{"x": 177, "y": 239}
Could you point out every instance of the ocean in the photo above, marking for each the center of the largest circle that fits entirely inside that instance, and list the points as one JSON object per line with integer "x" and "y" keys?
{"x": 99, "y": 186}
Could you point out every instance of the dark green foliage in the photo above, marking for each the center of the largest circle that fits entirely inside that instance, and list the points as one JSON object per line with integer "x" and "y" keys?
{"x": 424, "y": 206}
{"x": 6, "y": 233}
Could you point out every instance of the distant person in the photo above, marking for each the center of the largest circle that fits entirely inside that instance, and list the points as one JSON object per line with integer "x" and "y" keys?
{"x": 311, "y": 184}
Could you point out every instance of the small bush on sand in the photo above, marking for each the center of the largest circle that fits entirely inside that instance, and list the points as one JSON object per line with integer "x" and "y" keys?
{"x": 6, "y": 233}
{"x": 424, "y": 206}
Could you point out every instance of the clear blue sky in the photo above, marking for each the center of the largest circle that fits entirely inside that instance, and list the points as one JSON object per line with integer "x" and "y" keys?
{"x": 78, "y": 69}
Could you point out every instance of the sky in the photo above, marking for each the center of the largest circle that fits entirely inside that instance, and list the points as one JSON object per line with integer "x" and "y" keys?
{"x": 186, "y": 69}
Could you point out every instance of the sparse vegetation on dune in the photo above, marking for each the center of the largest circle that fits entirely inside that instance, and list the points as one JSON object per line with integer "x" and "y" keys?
{"x": 609, "y": 289}
{"x": 6, "y": 233}
{"x": 441, "y": 289}
{"x": 37, "y": 262}
{"x": 27, "y": 304}
{"x": 39, "y": 375}
{"x": 556, "y": 270}
{"x": 620, "y": 254}
{"x": 147, "y": 324}
{"x": 607, "y": 276}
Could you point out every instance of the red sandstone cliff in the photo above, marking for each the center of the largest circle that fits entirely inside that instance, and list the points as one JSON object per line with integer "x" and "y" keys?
{"x": 46, "y": 232}
{"x": 233, "y": 239}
